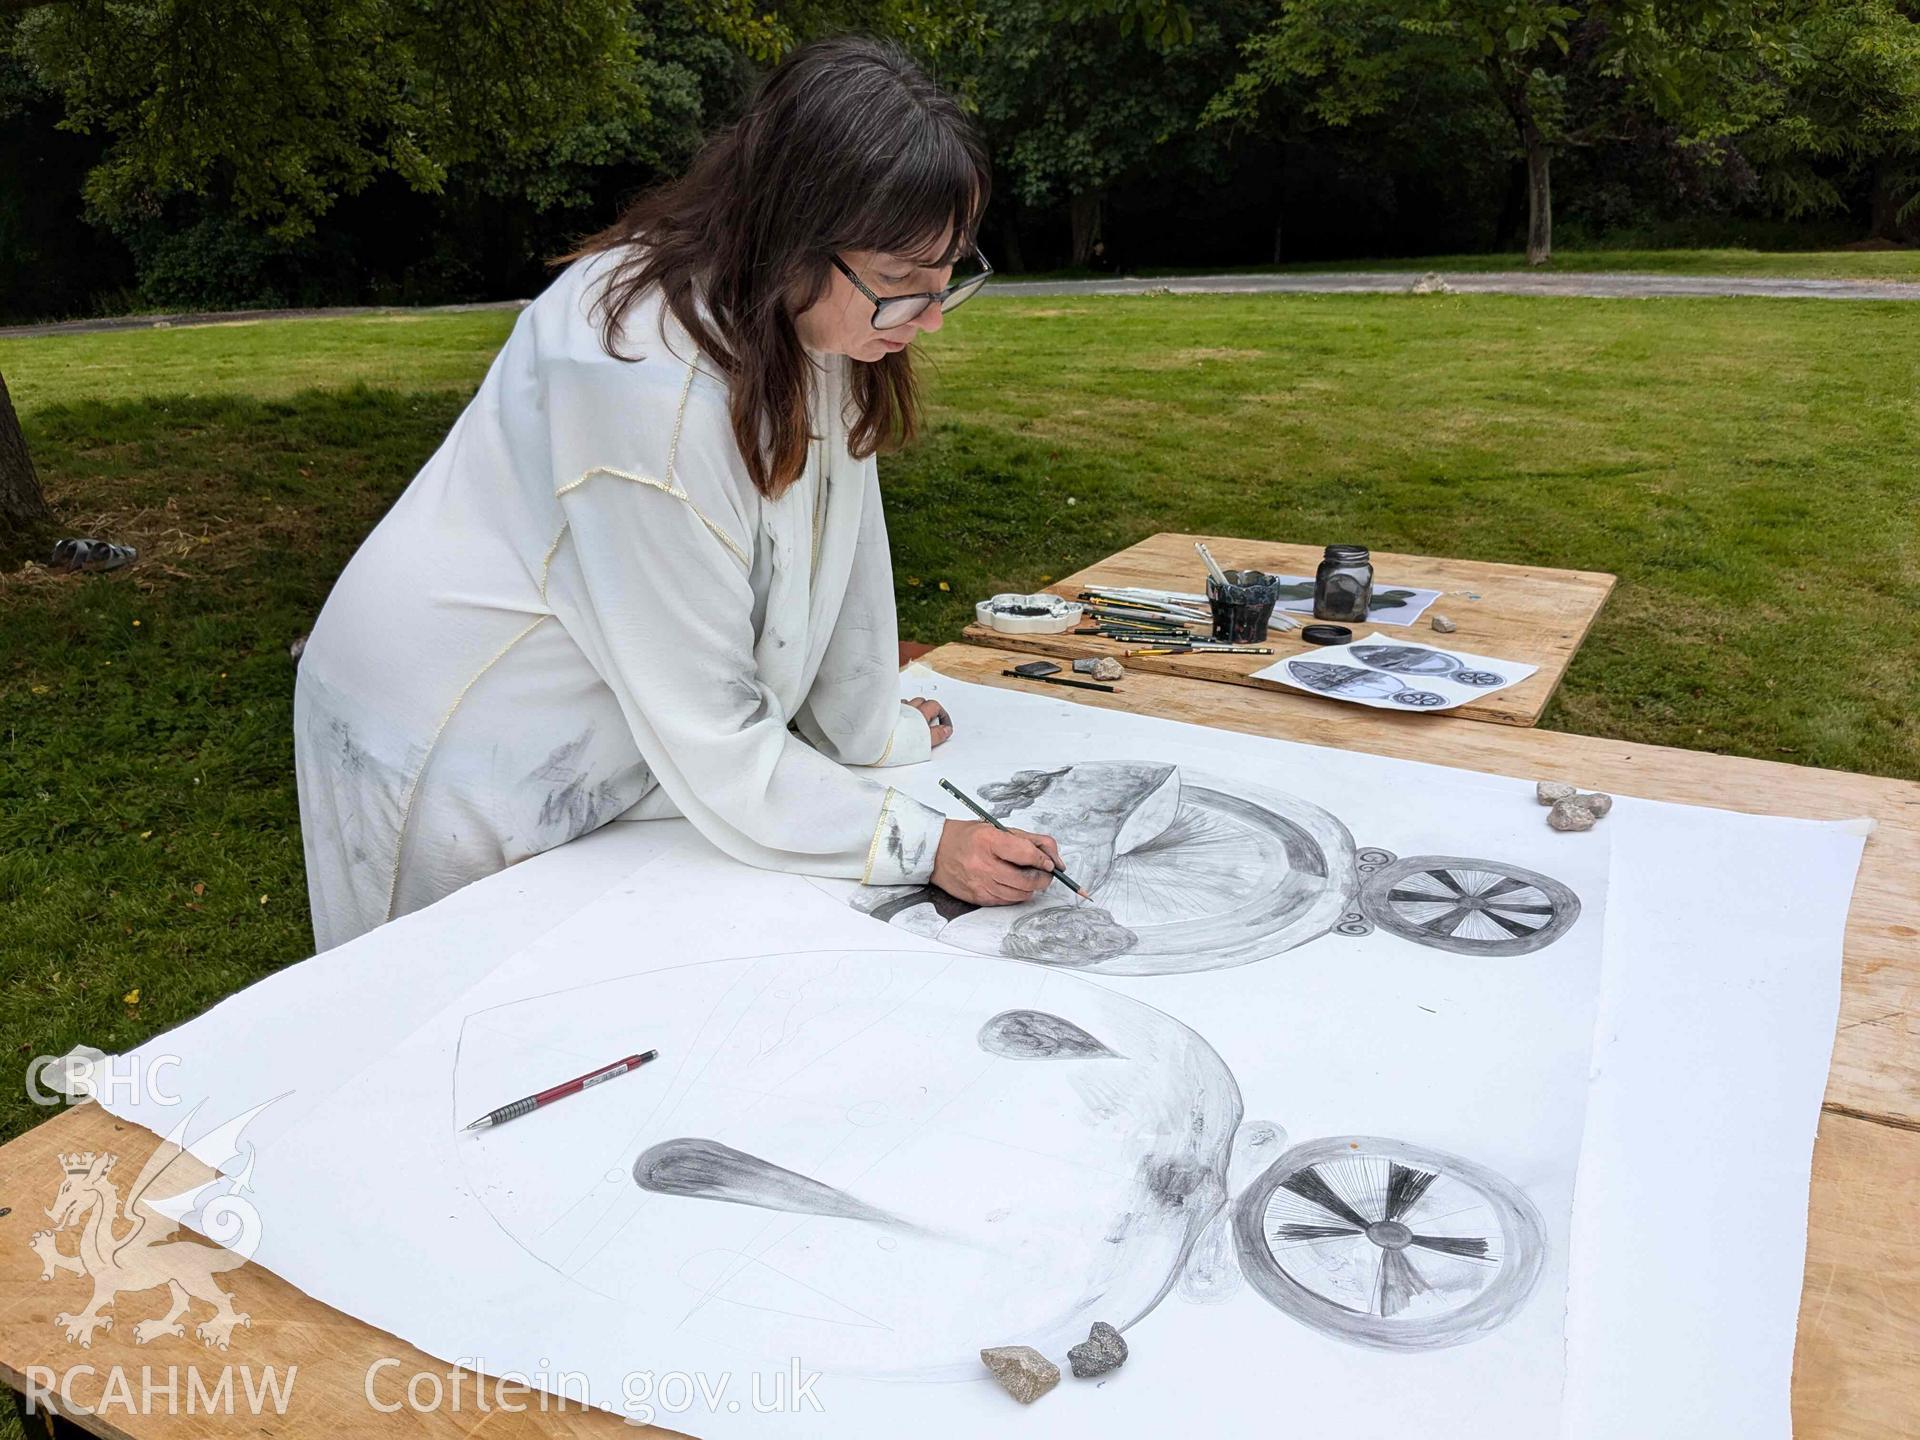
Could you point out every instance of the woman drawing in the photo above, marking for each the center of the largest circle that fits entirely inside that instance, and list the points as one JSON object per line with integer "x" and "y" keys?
{"x": 646, "y": 574}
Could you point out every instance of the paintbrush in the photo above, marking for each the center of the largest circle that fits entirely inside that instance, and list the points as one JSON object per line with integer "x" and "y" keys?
{"x": 1213, "y": 566}
{"x": 968, "y": 801}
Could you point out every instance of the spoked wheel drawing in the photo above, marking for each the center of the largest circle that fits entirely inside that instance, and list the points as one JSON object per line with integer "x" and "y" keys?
{"x": 1386, "y": 1244}
{"x": 1353, "y": 683}
{"x": 1470, "y": 907}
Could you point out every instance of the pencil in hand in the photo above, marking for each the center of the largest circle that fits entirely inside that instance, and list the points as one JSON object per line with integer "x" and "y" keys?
{"x": 968, "y": 801}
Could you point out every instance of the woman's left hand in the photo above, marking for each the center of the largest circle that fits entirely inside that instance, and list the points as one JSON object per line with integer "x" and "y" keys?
{"x": 938, "y": 721}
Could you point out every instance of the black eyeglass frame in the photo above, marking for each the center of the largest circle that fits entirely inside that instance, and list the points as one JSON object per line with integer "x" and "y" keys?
{"x": 932, "y": 297}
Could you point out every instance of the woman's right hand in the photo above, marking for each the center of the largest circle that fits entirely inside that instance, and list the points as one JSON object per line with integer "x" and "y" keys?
{"x": 985, "y": 866}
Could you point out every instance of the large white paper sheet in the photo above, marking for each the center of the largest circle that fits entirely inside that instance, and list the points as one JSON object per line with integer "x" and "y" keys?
{"x": 296, "y": 1036}
{"x": 1717, "y": 1023}
{"x": 510, "y": 1255}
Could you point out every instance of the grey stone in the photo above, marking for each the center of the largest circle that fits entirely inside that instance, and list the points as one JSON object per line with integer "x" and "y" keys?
{"x": 1101, "y": 1351}
{"x": 1570, "y": 815}
{"x": 1443, "y": 624}
{"x": 1599, "y": 803}
{"x": 1551, "y": 792}
{"x": 1023, "y": 1372}
{"x": 1104, "y": 667}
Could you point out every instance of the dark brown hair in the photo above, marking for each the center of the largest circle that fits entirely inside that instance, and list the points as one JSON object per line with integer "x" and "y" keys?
{"x": 845, "y": 145}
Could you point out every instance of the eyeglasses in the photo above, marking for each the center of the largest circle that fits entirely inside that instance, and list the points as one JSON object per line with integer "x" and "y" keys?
{"x": 893, "y": 311}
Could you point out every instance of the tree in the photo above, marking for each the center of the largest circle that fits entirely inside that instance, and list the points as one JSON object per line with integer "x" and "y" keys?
{"x": 1075, "y": 101}
{"x": 278, "y": 107}
{"x": 1348, "y": 59}
{"x": 1840, "y": 106}
{"x": 264, "y": 114}
{"x": 22, "y": 506}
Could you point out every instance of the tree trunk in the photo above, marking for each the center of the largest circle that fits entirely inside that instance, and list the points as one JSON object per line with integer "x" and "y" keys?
{"x": 1539, "y": 198}
{"x": 21, "y": 503}
{"x": 1510, "y": 84}
{"x": 1279, "y": 225}
{"x": 1085, "y": 211}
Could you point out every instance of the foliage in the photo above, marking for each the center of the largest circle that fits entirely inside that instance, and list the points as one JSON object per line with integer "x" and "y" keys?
{"x": 327, "y": 151}
{"x": 278, "y": 107}
{"x": 1841, "y": 100}
{"x": 1340, "y": 62}
{"x": 1074, "y": 102}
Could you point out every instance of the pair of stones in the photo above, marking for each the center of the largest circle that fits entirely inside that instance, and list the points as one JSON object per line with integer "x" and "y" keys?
{"x": 1571, "y": 810}
{"x": 1026, "y": 1374}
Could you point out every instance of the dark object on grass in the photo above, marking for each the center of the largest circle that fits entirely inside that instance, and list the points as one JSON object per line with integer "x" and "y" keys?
{"x": 90, "y": 557}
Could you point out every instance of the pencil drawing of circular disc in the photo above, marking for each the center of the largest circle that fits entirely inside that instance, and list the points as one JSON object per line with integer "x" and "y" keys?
{"x": 1389, "y": 1245}
{"x": 1481, "y": 678}
{"x": 1419, "y": 699}
{"x": 1470, "y": 907}
{"x": 1407, "y": 659}
{"x": 1191, "y": 872}
{"x": 874, "y": 1161}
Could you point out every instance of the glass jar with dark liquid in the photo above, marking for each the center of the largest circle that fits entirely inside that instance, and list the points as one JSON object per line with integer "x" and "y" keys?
{"x": 1343, "y": 585}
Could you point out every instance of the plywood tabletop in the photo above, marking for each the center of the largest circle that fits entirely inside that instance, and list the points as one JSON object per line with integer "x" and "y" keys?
{"x": 337, "y": 1362}
{"x": 1511, "y": 612}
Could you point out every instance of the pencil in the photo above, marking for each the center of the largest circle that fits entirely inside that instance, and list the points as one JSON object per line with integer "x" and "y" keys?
{"x": 968, "y": 801}
{"x": 1056, "y": 680}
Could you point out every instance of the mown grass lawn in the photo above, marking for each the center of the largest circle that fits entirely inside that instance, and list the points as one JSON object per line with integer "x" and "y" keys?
{"x": 1747, "y": 467}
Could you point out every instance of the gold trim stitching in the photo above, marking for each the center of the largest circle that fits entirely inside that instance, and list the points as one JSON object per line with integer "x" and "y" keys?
{"x": 413, "y": 785}
{"x": 669, "y": 486}
{"x": 873, "y": 845}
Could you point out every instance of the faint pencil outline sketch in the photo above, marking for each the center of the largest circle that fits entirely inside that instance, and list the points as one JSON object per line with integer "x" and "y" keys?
{"x": 828, "y": 1237}
{"x": 1390, "y": 1245}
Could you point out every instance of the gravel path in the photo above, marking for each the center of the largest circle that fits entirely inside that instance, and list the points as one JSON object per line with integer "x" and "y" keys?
{"x": 1599, "y": 284}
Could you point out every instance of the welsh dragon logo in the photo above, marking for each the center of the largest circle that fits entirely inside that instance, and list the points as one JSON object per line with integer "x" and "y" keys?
{"x": 133, "y": 1246}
